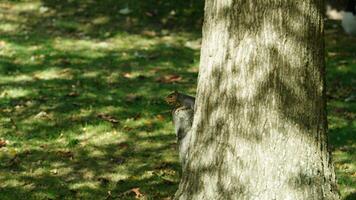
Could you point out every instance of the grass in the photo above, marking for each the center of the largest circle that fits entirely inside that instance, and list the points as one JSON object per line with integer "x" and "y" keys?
{"x": 81, "y": 98}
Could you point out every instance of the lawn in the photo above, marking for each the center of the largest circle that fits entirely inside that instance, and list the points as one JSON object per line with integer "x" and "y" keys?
{"x": 82, "y": 85}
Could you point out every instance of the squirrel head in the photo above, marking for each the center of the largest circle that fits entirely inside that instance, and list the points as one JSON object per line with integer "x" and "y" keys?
{"x": 172, "y": 99}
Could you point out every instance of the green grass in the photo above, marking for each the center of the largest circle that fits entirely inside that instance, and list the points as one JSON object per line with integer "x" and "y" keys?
{"x": 81, "y": 98}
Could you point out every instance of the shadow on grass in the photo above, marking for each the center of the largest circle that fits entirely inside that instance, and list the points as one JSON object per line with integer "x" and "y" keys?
{"x": 350, "y": 196}
{"x": 47, "y": 172}
{"x": 70, "y": 62}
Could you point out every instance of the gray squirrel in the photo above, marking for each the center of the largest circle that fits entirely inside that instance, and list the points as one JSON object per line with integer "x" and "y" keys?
{"x": 182, "y": 113}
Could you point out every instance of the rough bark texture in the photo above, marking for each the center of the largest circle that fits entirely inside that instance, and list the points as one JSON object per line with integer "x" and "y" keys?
{"x": 259, "y": 129}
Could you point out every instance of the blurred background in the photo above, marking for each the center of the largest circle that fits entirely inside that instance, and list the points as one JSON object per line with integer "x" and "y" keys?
{"x": 82, "y": 84}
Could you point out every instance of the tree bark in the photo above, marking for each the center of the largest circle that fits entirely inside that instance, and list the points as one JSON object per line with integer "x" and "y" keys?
{"x": 259, "y": 129}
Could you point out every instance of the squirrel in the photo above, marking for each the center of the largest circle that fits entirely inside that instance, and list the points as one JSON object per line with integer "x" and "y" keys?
{"x": 182, "y": 114}
{"x": 179, "y": 99}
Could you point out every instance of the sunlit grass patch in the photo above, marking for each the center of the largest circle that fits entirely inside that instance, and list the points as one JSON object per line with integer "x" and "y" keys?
{"x": 346, "y": 169}
{"x": 26, "y": 6}
{"x": 8, "y": 27}
{"x": 82, "y": 102}
{"x": 53, "y": 73}
{"x": 14, "y": 93}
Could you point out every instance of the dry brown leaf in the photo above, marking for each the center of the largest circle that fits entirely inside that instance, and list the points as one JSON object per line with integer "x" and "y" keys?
{"x": 169, "y": 79}
{"x": 160, "y": 117}
{"x": 127, "y": 128}
{"x": 66, "y": 154}
{"x": 66, "y": 71}
{"x": 137, "y": 192}
{"x": 3, "y": 143}
{"x": 108, "y": 118}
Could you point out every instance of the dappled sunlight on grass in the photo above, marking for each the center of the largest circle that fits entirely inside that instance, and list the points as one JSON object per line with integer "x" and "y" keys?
{"x": 14, "y": 93}
{"x": 81, "y": 98}
{"x": 341, "y": 73}
{"x": 83, "y": 115}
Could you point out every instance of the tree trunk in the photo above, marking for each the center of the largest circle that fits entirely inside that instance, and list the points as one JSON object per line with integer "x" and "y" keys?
{"x": 259, "y": 129}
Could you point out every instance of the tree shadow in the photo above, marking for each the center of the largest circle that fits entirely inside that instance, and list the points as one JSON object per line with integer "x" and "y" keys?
{"x": 350, "y": 196}
{"x": 60, "y": 72}
{"x": 106, "y": 18}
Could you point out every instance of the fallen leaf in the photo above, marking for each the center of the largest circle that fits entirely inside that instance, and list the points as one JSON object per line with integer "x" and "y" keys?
{"x": 354, "y": 174}
{"x": 66, "y": 71}
{"x": 42, "y": 115}
{"x": 133, "y": 191}
{"x": 3, "y": 143}
{"x": 66, "y": 154}
{"x": 127, "y": 128}
{"x": 108, "y": 118}
{"x": 169, "y": 79}
{"x": 137, "y": 192}
{"x": 160, "y": 117}
{"x": 109, "y": 196}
